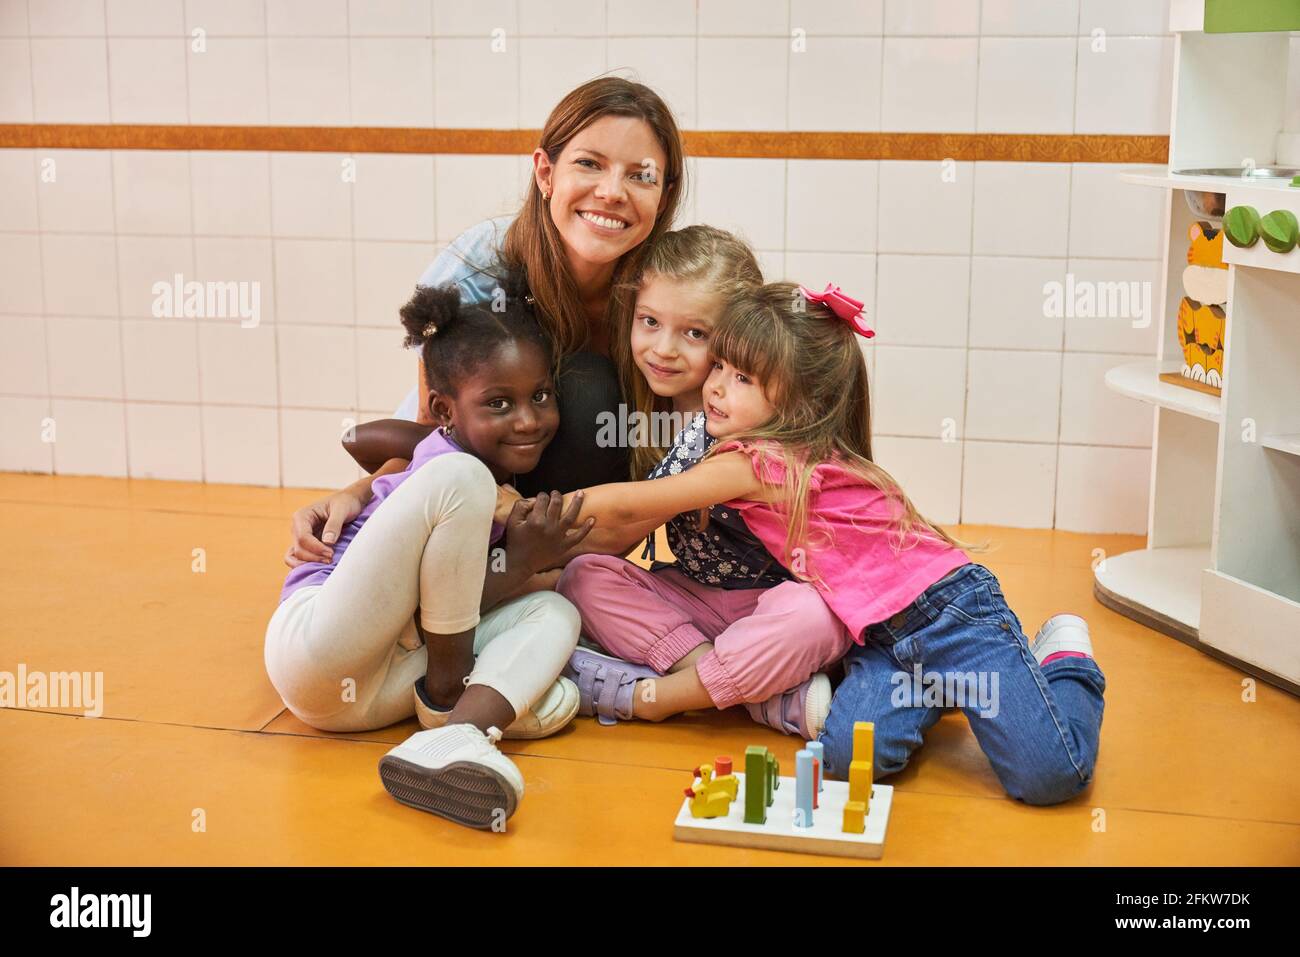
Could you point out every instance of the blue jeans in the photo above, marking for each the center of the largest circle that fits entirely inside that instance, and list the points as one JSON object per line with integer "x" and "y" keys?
{"x": 959, "y": 645}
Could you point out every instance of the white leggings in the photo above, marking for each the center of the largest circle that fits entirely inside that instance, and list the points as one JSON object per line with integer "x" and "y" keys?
{"x": 332, "y": 650}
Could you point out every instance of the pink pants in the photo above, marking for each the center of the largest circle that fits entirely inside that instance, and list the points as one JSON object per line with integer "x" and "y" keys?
{"x": 765, "y": 640}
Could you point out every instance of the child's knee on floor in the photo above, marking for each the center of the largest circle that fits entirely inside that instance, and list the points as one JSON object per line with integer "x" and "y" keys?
{"x": 1044, "y": 785}
{"x": 891, "y": 752}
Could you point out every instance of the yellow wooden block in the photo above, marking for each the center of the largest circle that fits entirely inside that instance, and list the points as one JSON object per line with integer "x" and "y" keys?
{"x": 864, "y": 741}
{"x": 860, "y": 781}
{"x": 855, "y": 817}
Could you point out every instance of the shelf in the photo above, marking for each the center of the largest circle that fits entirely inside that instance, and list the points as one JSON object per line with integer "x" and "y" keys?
{"x": 1164, "y": 179}
{"x": 1282, "y": 443}
{"x": 1162, "y": 585}
{"x": 1138, "y": 380}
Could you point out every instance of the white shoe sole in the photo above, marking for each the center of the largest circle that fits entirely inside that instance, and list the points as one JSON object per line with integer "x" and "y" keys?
{"x": 818, "y": 705}
{"x": 553, "y": 712}
{"x": 466, "y": 792}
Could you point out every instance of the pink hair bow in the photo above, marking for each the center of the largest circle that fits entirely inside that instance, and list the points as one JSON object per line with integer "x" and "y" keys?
{"x": 844, "y": 306}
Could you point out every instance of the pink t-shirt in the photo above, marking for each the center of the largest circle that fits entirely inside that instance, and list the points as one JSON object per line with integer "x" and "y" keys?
{"x": 850, "y": 545}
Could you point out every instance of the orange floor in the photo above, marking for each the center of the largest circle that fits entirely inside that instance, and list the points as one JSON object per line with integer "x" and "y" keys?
{"x": 96, "y": 575}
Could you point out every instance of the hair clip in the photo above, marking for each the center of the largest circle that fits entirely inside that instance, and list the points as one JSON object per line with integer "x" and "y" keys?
{"x": 845, "y": 307}
{"x": 429, "y": 330}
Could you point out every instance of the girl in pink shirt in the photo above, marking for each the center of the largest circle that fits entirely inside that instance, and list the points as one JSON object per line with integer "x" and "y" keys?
{"x": 788, "y": 402}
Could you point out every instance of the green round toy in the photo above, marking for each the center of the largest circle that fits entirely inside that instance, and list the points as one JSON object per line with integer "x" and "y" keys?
{"x": 1241, "y": 226}
{"x": 1280, "y": 230}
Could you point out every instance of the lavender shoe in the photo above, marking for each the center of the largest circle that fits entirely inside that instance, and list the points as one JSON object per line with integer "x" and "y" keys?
{"x": 800, "y": 711}
{"x": 605, "y": 684}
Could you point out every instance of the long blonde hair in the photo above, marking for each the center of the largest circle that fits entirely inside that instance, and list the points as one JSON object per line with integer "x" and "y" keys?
{"x": 533, "y": 244}
{"x": 815, "y": 376}
{"x": 721, "y": 262}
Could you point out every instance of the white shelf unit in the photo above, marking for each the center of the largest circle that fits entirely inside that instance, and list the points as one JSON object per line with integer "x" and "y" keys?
{"x": 1221, "y": 569}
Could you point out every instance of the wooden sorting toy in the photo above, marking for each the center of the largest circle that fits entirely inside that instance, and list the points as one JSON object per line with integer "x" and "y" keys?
{"x": 783, "y": 818}
{"x": 713, "y": 790}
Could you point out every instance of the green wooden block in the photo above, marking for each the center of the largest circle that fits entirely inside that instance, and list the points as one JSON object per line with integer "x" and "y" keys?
{"x": 1241, "y": 226}
{"x": 773, "y": 777}
{"x": 756, "y": 784}
{"x": 1280, "y": 230}
{"x": 1251, "y": 16}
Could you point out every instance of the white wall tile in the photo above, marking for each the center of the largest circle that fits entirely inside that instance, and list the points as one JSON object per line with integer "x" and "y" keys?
{"x": 932, "y": 17}
{"x": 665, "y": 64}
{"x": 241, "y": 445}
{"x": 1008, "y": 483}
{"x": 743, "y": 83}
{"x": 13, "y": 18}
{"x": 469, "y": 189}
{"x": 20, "y": 273}
{"x": 18, "y": 189}
{"x": 838, "y": 17}
{"x": 232, "y": 193}
{"x": 1007, "y": 303}
{"x": 145, "y": 18}
{"x": 143, "y": 261}
{"x": 160, "y": 360}
{"x": 919, "y": 392}
{"x": 1021, "y": 209}
{"x": 16, "y": 103}
{"x": 85, "y": 357}
{"x": 855, "y": 273}
{"x": 561, "y": 18}
{"x": 66, "y": 18}
{"x": 147, "y": 80}
{"x": 383, "y": 368}
{"x": 1125, "y": 89}
{"x": 317, "y": 366}
{"x": 928, "y": 471}
{"x": 816, "y": 187}
{"x": 745, "y": 196}
{"x": 1013, "y": 396}
{"x": 69, "y": 81}
{"x": 1119, "y": 17}
{"x": 1113, "y": 220}
{"x": 744, "y": 17}
{"x": 550, "y": 68}
{"x": 313, "y": 282}
{"x": 75, "y": 188}
{"x": 235, "y": 18}
{"x": 835, "y": 84}
{"x": 228, "y": 82}
{"x": 1026, "y": 85}
{"x": 1103, "y": 490}
{"x": 389, "y": 18}
{"x": 163, "y": 442}
{"x": 631, "y": 18}
{"x": 80, "y": 275}
{"x": 309, "y": 197}
{"x": 22, "y": 421}
{"x": 311, "y": 451}
{"x": 457, "y": 18}
{"x": 307, "y": 18}
{"x": 22, "y": 360}
{"x": 494, "y": 103}
{"x": 1028, "y": 17}
{"x": 239, "y": 261}
{"x": 922, "y": 300}
{"x": 1133, "y": 329}
{"x": 90, "y": 437}
{"x": 386, "y": 274}
{"x": 771, "y": 262}
{"x": 922, "y": 213}
{"x": 152, "y": 192}
{"x": 393, "y": 197}
{"x": 1092, "y": 414}
{"x": 392, "y": 82}
{"x": 237, "y": 366}
{"x": 308, "y": 81}
{"x": 929, "y": 85}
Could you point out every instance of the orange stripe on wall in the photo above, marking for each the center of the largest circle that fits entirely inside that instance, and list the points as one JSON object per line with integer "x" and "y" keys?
{"x": 1014, "y": 147}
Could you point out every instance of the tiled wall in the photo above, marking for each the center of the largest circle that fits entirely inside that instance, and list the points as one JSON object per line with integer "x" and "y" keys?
{"x": 986, "y": 410}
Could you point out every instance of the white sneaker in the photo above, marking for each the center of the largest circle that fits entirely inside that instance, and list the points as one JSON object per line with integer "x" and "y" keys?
{"x": 455, "y": 772}
{"x": 1061, "y": 633}
{"x": 549, "y": 714}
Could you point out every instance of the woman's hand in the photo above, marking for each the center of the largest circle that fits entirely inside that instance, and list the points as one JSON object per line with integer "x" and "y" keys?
{"x": 540, "y": 532}
{"x": 506, "y": 498}
{"x": 315, "y": 527}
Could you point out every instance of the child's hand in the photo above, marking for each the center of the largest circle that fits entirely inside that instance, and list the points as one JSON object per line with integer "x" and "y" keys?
{"x": 506, "y": 498}
{"x": 539, "y": 536}
{"x": 325, "y": 519}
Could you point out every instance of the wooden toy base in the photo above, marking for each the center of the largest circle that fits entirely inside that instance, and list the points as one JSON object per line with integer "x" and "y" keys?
{"x": 780, "y": 834}
{"x": 1177, "y": 378}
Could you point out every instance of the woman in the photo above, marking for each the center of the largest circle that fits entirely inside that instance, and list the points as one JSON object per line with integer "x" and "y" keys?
{"x": 608, "y": 175}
